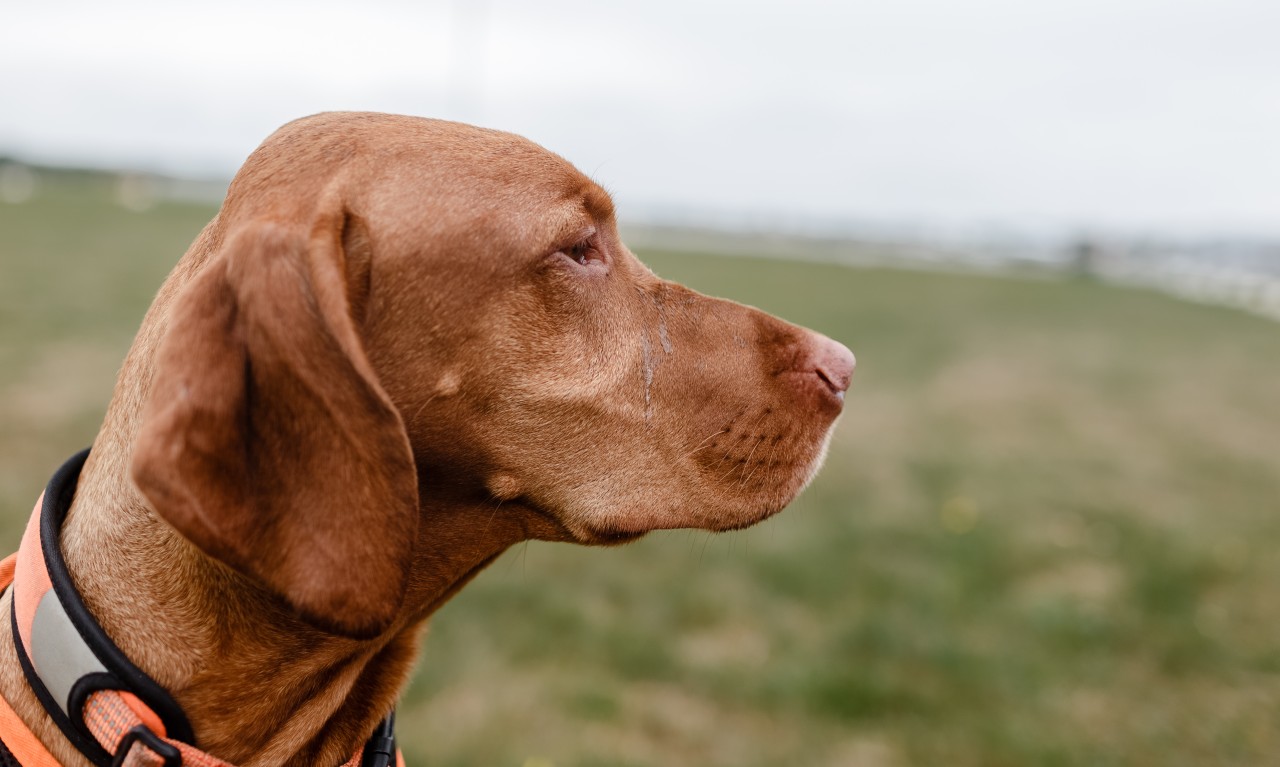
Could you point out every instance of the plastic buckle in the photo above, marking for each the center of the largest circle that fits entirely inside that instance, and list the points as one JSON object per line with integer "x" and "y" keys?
{"x": 380, "y": 749}
{"x": 168, "y": 753}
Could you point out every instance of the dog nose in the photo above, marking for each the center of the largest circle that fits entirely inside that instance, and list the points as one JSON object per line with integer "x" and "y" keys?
{"x": 833, "y": 363}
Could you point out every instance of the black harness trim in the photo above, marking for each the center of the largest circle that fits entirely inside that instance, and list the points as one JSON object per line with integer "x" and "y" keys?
{"x": 121, "y": 673}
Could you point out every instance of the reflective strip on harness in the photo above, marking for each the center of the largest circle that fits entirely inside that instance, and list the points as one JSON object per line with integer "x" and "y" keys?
{"x": 60, "y": 657}
{"x": 56, "y": 649}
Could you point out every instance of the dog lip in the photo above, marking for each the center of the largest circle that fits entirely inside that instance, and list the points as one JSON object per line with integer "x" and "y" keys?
{"x": 595, "y": 536}
{"x": 813, "y": 388}
{"x": 610, "y": 535}
{"x": 830, "y": 397}
{"x": 615, "y": 538}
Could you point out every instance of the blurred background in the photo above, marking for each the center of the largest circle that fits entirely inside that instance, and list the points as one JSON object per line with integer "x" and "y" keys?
{"x": 1048, "y": 532}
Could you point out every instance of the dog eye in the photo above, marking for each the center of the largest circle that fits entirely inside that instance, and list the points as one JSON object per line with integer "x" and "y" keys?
{"x": 583, "y": 252}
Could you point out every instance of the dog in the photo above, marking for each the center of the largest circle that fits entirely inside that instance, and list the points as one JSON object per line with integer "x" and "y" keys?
{"x": 400, "y": 347}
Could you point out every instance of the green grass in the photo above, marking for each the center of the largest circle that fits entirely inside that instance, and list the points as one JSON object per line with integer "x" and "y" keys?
{"x": 1048, "y": 532}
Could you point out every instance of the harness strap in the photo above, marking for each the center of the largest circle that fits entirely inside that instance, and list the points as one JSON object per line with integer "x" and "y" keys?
{"x": 112, "y": 720}
{"x": 123, "y": 732}
{"x": 65, "y": 655}
{"x": 21, "y": 742}
{"x": 109, "y": 709}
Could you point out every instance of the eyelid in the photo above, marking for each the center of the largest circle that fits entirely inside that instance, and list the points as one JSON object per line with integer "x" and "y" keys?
{"x": 588, "y": 239}
{"x": 585, "y": 236}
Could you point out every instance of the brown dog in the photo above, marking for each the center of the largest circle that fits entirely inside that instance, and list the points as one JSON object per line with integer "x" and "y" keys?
{"x": 402, "y": 346}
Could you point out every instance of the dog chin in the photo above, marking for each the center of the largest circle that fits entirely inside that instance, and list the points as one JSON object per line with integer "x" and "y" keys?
{"x": 819, "y": 458}
{"x": 774, "y": 507}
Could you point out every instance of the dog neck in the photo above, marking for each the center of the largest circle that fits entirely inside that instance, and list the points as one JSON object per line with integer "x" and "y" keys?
{"x": 259, "y": 685}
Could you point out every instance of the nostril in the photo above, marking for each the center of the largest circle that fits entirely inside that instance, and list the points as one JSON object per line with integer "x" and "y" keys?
{"x": 826, "y": 378}
{"x": 834, "y": 363}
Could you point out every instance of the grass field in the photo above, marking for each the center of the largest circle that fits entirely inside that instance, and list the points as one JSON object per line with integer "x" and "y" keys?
{"x": 1048, "y": 532}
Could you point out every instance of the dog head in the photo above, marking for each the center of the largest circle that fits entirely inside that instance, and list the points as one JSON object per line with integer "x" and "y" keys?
{"x": 395, "y": 314}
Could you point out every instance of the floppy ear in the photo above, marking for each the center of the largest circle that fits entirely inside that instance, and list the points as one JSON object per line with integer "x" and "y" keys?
{"x": 268, "y": 441}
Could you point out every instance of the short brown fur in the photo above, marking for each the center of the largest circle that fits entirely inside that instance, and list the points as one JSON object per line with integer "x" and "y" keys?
{"x": 402, "y": 346}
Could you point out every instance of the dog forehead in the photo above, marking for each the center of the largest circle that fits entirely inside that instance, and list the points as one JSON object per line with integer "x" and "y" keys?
{"x": 411, "y": 158}
{"x": 422, "y": 189}
{"x": 520, "y": 207}
{"x": 461, "y": 226}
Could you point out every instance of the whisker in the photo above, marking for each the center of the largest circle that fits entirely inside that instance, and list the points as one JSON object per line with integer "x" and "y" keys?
{"x": 706, "y": 540}
{"x": 748, "y": 461}
{"x": 493, "y": 515}
{"x": 428, "y": 401}
{"x": 704, "y": 442}
{"x": 766, "y": 461}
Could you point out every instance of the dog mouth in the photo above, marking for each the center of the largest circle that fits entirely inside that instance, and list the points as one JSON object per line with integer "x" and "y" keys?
{"x": 748, "y": 471}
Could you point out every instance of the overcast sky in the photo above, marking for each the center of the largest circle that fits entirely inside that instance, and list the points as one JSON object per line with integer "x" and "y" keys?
{"x": 1137, "y": 115}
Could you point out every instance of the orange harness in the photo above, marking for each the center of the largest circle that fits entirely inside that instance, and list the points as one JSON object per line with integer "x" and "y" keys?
{"x": 108, "y": 708}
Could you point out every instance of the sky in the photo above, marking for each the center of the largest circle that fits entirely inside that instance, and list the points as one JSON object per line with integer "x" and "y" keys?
{"x": 1135, "y": 116}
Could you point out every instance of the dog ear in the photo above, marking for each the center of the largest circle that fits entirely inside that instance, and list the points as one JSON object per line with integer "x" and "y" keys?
{"x": 267, "y": 440}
